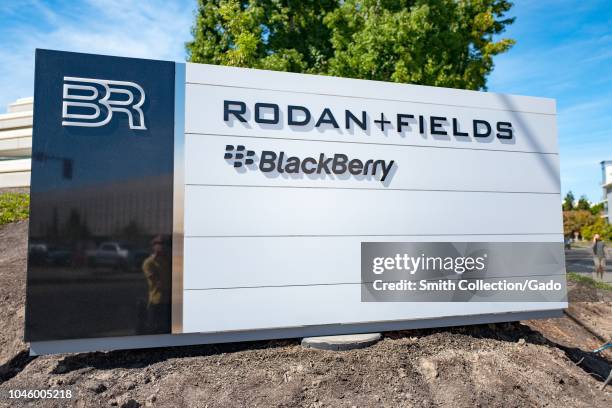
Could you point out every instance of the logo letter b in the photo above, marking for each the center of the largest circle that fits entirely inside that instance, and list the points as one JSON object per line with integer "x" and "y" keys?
{"x": 91, "y": 102}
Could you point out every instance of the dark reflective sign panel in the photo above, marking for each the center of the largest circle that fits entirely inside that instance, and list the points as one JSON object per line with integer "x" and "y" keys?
{"x": 99, "y": 261}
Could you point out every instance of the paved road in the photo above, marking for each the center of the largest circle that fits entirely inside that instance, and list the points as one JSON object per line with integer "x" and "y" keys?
{"x": 581, "y": 260}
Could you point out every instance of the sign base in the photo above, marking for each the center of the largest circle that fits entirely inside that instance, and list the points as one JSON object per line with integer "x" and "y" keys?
{"x": 342, "y": 343}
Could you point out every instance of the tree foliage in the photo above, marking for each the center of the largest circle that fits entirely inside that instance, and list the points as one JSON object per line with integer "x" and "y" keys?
{"x": 600, "y": 226}
{"x": 568, "y": 202}
{"x": 447, "y": 43}
{"x": 583, "y": 204}
{"x": 597, "y": 209}
{"x": 575, "y": 221}
{"x": 584, "y": 218}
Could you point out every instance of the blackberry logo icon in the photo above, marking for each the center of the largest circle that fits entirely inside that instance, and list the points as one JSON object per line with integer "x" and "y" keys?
{"x": 280, "y": 162}
{"x": 239, "y": 155}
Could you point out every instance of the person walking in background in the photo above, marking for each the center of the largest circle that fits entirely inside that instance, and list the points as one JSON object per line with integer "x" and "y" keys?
{"x": 599, "y": 256}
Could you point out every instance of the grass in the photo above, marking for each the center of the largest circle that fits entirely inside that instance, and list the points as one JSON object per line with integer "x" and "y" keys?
{"x": 14, "y": 207}
{"x": 576, "y": 277}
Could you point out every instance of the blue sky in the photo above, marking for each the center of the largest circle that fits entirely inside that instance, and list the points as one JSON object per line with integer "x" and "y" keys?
{"x": 563, "y": 51}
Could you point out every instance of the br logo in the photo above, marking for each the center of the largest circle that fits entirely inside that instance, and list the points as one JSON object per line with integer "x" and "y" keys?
{"x": 92, "y": 102}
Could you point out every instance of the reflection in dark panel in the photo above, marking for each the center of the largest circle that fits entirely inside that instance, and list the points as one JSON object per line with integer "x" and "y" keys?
{"x": 101, "y": 204}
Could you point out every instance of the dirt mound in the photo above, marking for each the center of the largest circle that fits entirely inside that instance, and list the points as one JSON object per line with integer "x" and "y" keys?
{"x": 440, "y": 368}
{"x": 544, "y": 362}
{"x": 13, "y": 249}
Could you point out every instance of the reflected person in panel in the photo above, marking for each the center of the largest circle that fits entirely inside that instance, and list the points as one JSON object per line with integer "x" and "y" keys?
{"x": 157, "y": 271}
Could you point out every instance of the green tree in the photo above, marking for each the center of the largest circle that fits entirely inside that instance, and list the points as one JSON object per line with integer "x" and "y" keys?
{"x": 575, "y": 221}
{"x": 583, "y": 204}
{"x": 568, "y": 202}
{"x": 596, "y": 209}
{"x": 433, "y": 42}
{"x": 600, "y": 226}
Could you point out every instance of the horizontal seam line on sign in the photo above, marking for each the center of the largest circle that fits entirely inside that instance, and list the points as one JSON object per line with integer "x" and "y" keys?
{"x": 369, "y": 235}
{"x": 110, "y": 279}
{"x": 369, "y": 98}
{"x": 362, "y": 283}
{"x": 370, "y": 143}
{"x": 373, "y": 188}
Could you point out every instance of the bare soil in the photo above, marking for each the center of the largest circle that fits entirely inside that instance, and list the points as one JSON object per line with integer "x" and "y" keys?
{"x": 532, "y": 363}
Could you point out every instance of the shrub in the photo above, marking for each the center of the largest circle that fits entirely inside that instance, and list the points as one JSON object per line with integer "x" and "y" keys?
{"x": 574, "y": 221}
{"x": 14, "y": 207}
{"x": 601, "y": 227}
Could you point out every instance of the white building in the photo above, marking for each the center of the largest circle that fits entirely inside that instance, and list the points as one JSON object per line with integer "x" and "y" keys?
{"x": 16, "y": 144}
{"x": 606, "y": 183}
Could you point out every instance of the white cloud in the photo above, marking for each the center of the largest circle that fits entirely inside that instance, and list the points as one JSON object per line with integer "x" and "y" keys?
{"x": 154, "y": 29}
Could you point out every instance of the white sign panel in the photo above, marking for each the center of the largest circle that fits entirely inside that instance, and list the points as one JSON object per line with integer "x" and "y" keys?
{"x": 324, "y": 164}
